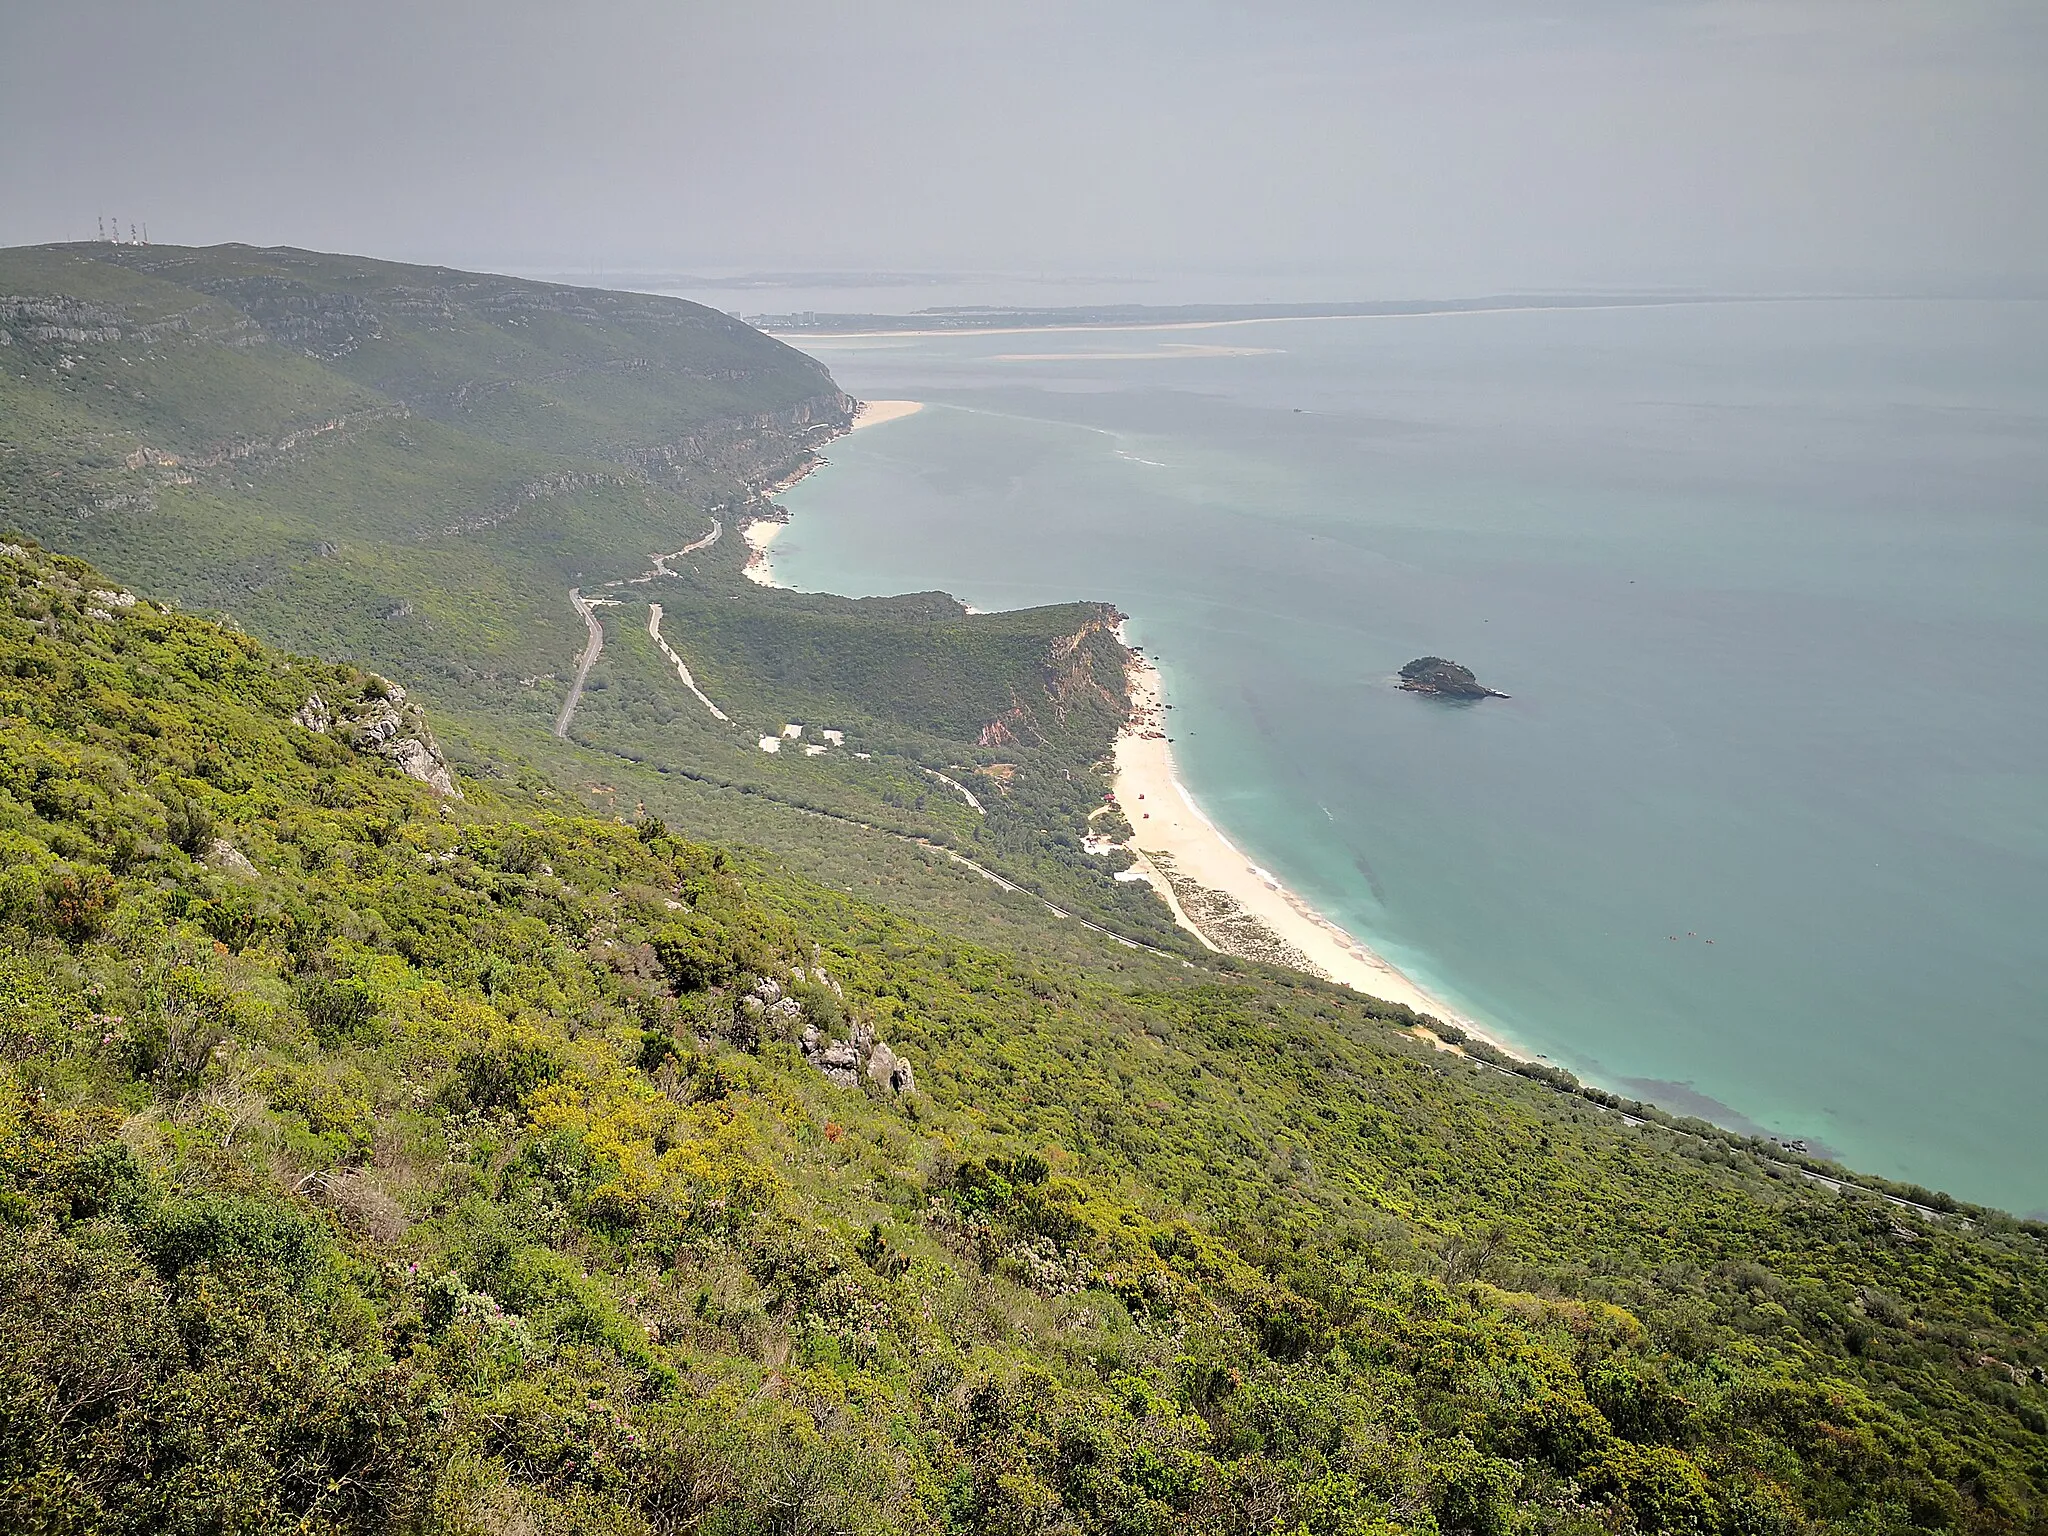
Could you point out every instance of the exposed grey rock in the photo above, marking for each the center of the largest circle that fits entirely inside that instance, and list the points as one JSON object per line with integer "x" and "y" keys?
{"x": 228, "y": 859}
{"x": 389, "y": 727}
{"x": 375, "y": 725}
{"x": 425, "y": 763}
{"x": 889, "y": 1071}
{"x": 840, "y": 1063}
{"x": 843, "y": 1061}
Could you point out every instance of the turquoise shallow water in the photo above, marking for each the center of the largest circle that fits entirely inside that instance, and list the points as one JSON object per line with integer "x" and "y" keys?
{"x": 1768, "y": 584}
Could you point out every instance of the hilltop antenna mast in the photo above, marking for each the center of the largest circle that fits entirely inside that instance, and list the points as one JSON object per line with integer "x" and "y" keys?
{"x": 131, "y": 233}
{"x": 103, "y": 226}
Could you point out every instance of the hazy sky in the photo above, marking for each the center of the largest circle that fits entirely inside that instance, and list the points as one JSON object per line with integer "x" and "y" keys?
{"x": 1436, "y": 146}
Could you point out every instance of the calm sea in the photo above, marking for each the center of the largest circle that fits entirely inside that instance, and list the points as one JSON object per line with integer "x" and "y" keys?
{"x": 1768, "y": 583}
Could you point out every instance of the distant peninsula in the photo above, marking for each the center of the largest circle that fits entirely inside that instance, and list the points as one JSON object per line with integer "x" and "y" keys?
{"x": 1444, "y": 679}
{"x": 1007, "y": 318}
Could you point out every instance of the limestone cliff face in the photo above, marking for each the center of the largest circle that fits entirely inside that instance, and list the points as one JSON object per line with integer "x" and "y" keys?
{"x": 382, "y": 721}
{"x": 767, "y": 451}
{"x": 57, "y": 319}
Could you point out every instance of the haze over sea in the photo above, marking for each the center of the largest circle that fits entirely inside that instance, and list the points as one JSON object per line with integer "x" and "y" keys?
{"x": 1768, "y": 583}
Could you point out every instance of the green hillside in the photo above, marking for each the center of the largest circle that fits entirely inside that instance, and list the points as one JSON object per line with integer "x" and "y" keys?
{"x": 413, "y": 467}
{"x": 373, "y": 1159}
{"x": 412, "y": 1119}
{"x": 313, "y": 443}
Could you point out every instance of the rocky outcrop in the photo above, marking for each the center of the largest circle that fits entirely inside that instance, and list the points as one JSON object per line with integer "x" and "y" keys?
{"x": 768, "y": 1007}
{"x": 221, "y": 454}
{"x": 889, "y": 1071}
{"x": 381, "y": 720}
{"x": 768, "y": 451}
{"x": 1444, "y": 679}
{"x": 57, "y": 318}
{"x": 423, "y": 760}
{"x": 228, "y": 859}
{"x": 766, "y": 1003}
{"x": 314, "y": 715}
{"x": 544, "y": 488}
{"x": 103, "y": 605}
{"x": 845, "y": 1061}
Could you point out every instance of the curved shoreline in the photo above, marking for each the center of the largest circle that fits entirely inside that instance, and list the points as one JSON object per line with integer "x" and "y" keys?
{"x": 1177, "y": 847}
{"x": 761, "y": 532}
{"x": 1186, "y": 858}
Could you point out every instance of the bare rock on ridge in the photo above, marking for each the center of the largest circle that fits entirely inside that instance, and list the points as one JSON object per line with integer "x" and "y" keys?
{"x": 383, "y": 721}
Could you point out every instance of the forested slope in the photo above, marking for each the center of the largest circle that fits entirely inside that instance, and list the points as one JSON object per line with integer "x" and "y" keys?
{"x": 412, "y": 468}
{"x": 406, "y": 462}
{"x": 377, "y": 1160}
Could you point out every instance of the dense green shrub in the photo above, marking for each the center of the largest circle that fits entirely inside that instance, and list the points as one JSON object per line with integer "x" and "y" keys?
{"x": 77, "y": 902}
{"x": 498, "y": 1077}
{"x": 444, "y": 1189}
{"x": 337, "y": 1010}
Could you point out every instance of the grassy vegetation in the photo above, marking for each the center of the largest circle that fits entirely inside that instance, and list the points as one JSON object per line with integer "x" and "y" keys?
{"x": 914, "y": 683}
{"x": 375, "y": 1162}
{"x": 310, "y": 443}
{"x": 410, "y": 467}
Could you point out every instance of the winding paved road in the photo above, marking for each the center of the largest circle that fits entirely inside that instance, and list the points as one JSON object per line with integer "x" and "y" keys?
{"x": 591, "y": 651}
{"x": 595, "y": 646}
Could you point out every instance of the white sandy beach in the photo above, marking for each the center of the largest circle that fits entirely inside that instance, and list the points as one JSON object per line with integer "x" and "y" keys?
{"x": 1168, "y": 822}
{"x": 872, "y": 413}
{"x": 759, "y": 536}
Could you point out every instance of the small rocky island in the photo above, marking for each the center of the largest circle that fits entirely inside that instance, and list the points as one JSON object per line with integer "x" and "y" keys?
{"x": 1444, "y": 679}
